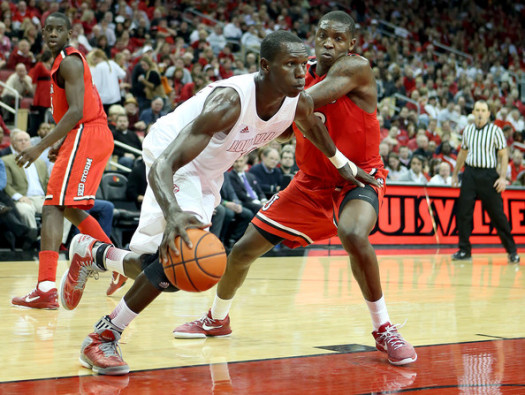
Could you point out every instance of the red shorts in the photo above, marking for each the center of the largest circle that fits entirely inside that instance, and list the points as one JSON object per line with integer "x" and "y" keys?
{"x": 306, "y": 211}
{"x": 79, "y": 167}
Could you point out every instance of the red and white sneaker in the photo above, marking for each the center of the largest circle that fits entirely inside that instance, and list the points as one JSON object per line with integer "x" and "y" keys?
{"x": 100, "y": 351}
{"x": 81, "y": 268}
{"x": 390, "y": 341}
{"x": 117, "y": 282}
{"x": 38, "y": 299}
{"x": 205, "y": 326}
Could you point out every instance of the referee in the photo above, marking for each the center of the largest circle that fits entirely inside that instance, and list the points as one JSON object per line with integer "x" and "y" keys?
{"x": 481, "y": 141}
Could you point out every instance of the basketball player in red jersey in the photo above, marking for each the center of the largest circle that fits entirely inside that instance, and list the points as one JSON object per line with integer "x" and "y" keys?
{"x": 82, "y": 143}
{"x": 345, "y": 96}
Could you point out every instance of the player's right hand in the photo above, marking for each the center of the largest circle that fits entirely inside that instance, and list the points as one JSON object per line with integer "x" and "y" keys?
{"x": 360, "y": 179}
{"x": 176, "y": 225}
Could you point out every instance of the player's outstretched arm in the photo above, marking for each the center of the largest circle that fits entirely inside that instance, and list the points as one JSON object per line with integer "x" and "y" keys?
{"x": 347, "y": 74}
{"x": 221, "y": 111}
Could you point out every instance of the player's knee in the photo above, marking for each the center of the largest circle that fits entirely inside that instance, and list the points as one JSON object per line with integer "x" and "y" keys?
{"x": 352, "y": 238}
{"x": 240, "y": 257}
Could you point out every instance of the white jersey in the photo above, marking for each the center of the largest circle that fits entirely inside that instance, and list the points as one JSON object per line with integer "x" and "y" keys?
{"x": 250, "y": 131}
{"x": 197, "y": 185}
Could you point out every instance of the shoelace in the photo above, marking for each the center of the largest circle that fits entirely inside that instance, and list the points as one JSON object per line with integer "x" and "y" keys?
{"x": 111, "y": 349}
{"x": 392, "y": 336}
{"x": 83, "y": 275}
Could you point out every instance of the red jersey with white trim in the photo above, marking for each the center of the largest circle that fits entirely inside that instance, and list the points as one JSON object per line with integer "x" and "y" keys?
{"x": 93, "y": 109}
{"x": 354, "y": 131}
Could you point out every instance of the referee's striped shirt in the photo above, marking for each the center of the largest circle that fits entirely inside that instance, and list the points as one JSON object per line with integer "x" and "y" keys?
{"x": 482, "y": 145}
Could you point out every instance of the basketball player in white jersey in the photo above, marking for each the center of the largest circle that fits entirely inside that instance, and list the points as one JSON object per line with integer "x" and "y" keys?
{"x": 186, "y": 153}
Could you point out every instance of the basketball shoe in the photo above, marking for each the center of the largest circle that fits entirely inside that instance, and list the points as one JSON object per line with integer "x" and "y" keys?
{"x": 390, "y": 341}
{"x": 204, "y": 326}
{"x": 81, "y": 268}
{"x": 100, "y": 350}
{"x": 117, "y": 282}
{"x": 38, "y": 299}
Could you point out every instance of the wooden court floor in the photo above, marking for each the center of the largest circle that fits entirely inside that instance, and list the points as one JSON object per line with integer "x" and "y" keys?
{"x": 300, "y": 326}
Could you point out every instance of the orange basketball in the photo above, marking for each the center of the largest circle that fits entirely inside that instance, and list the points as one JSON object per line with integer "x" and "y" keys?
{"x": 199, "y": 268}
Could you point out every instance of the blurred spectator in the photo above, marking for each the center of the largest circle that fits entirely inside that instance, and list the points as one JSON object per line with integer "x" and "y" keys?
{"x": 443, "y": 177}
{"x": 106, "y": 77}
{"x": 132, "y": 111}
{"x": 43, "y": 131}
{"x": 113, "y": 112}
{"x": 128, "y": 137}
{"x": 515, "y": 166}
{"x": 21, "y": 54}
{"x": 5, "y": 41}
{"x": 137, "y": 183}
{"x": 41, "y": 78}
{"x": 20, "y": 82}
{"x": 150, "y": 115}
{"x": 236, "y": 218}
{"x": 267, "y": 173}
{"x": 415, "y": 173}
{"x": 404, "y": 155}
{"x": 216, "y": 39}
{"x": 516, "y": 120}
{"x": 246, "y": 186}
{"x": 288, "y": 166}
{"x": 446, "y": 154}
{"x": 423, "y": 147}
{"x": 396, "y": 171}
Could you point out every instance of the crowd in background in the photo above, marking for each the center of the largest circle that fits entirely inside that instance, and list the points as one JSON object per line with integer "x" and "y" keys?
{"x": 432, "y": 61}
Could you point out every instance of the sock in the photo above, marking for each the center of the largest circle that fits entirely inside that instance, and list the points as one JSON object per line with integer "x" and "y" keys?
{"x": 122, "y": 315}
{"x": 114, "y": 259}
{"x": 378, "y": 312}
{"x": 220, "y": 308}
{"x": 47, "y": 268}
{"x": 46, "y": 286}
{"x": 90, "y": 226}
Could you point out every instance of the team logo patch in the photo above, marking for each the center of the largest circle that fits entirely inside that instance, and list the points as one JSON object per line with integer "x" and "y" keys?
{"x": 175, "y": 188}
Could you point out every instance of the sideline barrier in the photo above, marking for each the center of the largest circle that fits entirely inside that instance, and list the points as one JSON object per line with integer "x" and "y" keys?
{"x": 424, "y": 215}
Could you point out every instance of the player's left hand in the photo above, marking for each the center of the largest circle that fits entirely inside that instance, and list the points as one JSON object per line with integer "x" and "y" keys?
{"x": 360, "y": 179}
{"x": 500, "y": 184}
{"x": 28, "y": 156}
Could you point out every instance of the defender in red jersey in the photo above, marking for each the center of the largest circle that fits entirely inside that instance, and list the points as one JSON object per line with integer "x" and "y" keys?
{"x": 81, "y": 145}
{"x": 318, "y": 203}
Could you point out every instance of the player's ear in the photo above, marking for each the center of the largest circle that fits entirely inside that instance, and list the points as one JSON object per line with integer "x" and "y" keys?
{"x": 264, "y": 65}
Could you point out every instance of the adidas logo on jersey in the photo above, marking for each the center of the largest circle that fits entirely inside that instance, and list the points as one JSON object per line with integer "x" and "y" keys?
{"x": 245, "y": 130}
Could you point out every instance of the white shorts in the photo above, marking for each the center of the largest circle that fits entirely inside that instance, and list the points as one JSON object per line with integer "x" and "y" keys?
{"x": 188, "y": 189}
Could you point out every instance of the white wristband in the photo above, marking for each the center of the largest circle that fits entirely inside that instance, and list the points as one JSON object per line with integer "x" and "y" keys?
{"x": 339, "y": 160}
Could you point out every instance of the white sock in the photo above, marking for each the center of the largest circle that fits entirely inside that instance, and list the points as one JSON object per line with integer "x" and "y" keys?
{"x": 114, "y": 259}
{"x": 220, "y": 308}
{"x": 378, "y": 312}
{"x": 46, "y": 286}
{"x": 122, "y": 315}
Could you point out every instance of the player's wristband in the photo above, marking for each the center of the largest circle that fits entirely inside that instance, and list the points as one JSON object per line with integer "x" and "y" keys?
{"x": 339, "y": 160}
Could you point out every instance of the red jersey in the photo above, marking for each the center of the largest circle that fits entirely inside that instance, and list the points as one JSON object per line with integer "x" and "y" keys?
{"x": 41, "y": 76}
{"x": 354, "y": 131}
{"x": 93, "y": 109}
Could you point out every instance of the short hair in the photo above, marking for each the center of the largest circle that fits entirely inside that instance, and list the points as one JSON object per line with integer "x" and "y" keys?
{"x": 60, "y": 15}
{"x": 272, "y": 44}
{"x": 342, "y": 17}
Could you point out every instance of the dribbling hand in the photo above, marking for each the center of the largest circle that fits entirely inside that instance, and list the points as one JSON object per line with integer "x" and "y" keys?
{"x": 176, "y": 225}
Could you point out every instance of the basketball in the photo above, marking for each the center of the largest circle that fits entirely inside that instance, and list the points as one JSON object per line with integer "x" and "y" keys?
{"x": 199, "y": 268}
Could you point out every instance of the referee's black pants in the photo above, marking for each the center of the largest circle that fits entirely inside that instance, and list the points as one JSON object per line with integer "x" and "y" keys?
{"x": 476, "y": 183}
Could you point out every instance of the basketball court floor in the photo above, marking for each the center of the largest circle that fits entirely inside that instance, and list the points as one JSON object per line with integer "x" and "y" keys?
{"x": 300, "y": 326}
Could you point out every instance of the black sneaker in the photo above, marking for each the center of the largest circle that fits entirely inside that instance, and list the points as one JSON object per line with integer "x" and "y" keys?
{"x": 514, "y": 258}
{"x": 461, "y": 256}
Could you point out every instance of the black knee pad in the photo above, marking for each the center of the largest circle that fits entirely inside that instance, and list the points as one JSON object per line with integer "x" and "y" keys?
{"x": 154, "y": 272}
